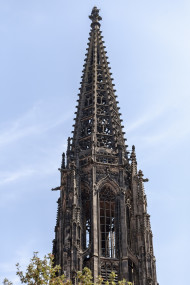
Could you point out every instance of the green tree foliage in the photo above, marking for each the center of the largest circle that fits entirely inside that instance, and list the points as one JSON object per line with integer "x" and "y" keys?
{"x": 85, "y": 277}
{"x": 7, "y": 282}
{"x": 42, "y": 272}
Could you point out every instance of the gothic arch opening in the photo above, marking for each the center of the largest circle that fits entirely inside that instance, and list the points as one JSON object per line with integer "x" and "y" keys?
{"x": 107, "y": 204}
{"x": 132, "y": 269}
{"x": 86, "y": 206}
{"x": 86, "y": 219}
{"x": 128, "y": 220}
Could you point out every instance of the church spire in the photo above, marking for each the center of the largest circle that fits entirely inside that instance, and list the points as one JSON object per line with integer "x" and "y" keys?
{"x": 98, "y": 124}
{"x": 102, "y": 219}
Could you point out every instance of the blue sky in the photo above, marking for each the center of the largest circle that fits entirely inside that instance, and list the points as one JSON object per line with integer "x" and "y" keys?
{"x": 42, "y": 50}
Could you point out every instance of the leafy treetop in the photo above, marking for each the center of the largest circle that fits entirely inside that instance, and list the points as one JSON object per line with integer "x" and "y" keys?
{"x": 42, "y": 272}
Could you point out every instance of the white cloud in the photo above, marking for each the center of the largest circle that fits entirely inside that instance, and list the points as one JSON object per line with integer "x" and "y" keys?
{"x": 7, "y": 177}
{"x": 167, "y": 123}
{"x": 28, "y": 124}
{"x": 12, "y": 193}
{"x": 174, "y": 133}
{"x": 150, "y": 115}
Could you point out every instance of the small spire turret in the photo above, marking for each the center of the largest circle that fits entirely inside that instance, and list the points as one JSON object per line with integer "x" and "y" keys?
{"x": 133, "y": 161}
{"x": 63, "y": 161}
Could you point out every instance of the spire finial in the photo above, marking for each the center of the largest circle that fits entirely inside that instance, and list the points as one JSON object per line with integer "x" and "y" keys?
{"x": 95, "y": 17}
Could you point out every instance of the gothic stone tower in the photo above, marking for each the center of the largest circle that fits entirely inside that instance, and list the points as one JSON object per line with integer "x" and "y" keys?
{"x": 102, "y": 219}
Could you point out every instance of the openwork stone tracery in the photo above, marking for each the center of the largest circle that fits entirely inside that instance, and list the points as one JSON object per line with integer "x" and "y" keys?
{"x": 102, "y": 219}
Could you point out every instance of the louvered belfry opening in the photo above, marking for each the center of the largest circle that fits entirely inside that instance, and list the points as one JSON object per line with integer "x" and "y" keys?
{"x": 102, "y": 220}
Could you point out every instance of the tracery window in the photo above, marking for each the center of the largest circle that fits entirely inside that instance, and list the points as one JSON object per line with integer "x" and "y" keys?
{"x": 86, "y": 127}
{"x": 88, "y": 100}
{"x": 107, "y": 222}
{"x": 85, "y": 144}
{"x": 103, "y": 125}
{"x": 104, "y": 141}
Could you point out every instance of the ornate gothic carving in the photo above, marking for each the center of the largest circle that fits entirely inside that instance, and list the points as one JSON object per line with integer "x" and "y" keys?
{"x": 102, "y": 219}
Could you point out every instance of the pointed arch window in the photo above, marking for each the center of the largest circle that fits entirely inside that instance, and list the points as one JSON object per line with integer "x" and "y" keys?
{"x": 128, "y": 220}
{"x": 132, "y": 272}
{"x": 86, "y": 218}
{"x": 107, "y": 222}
